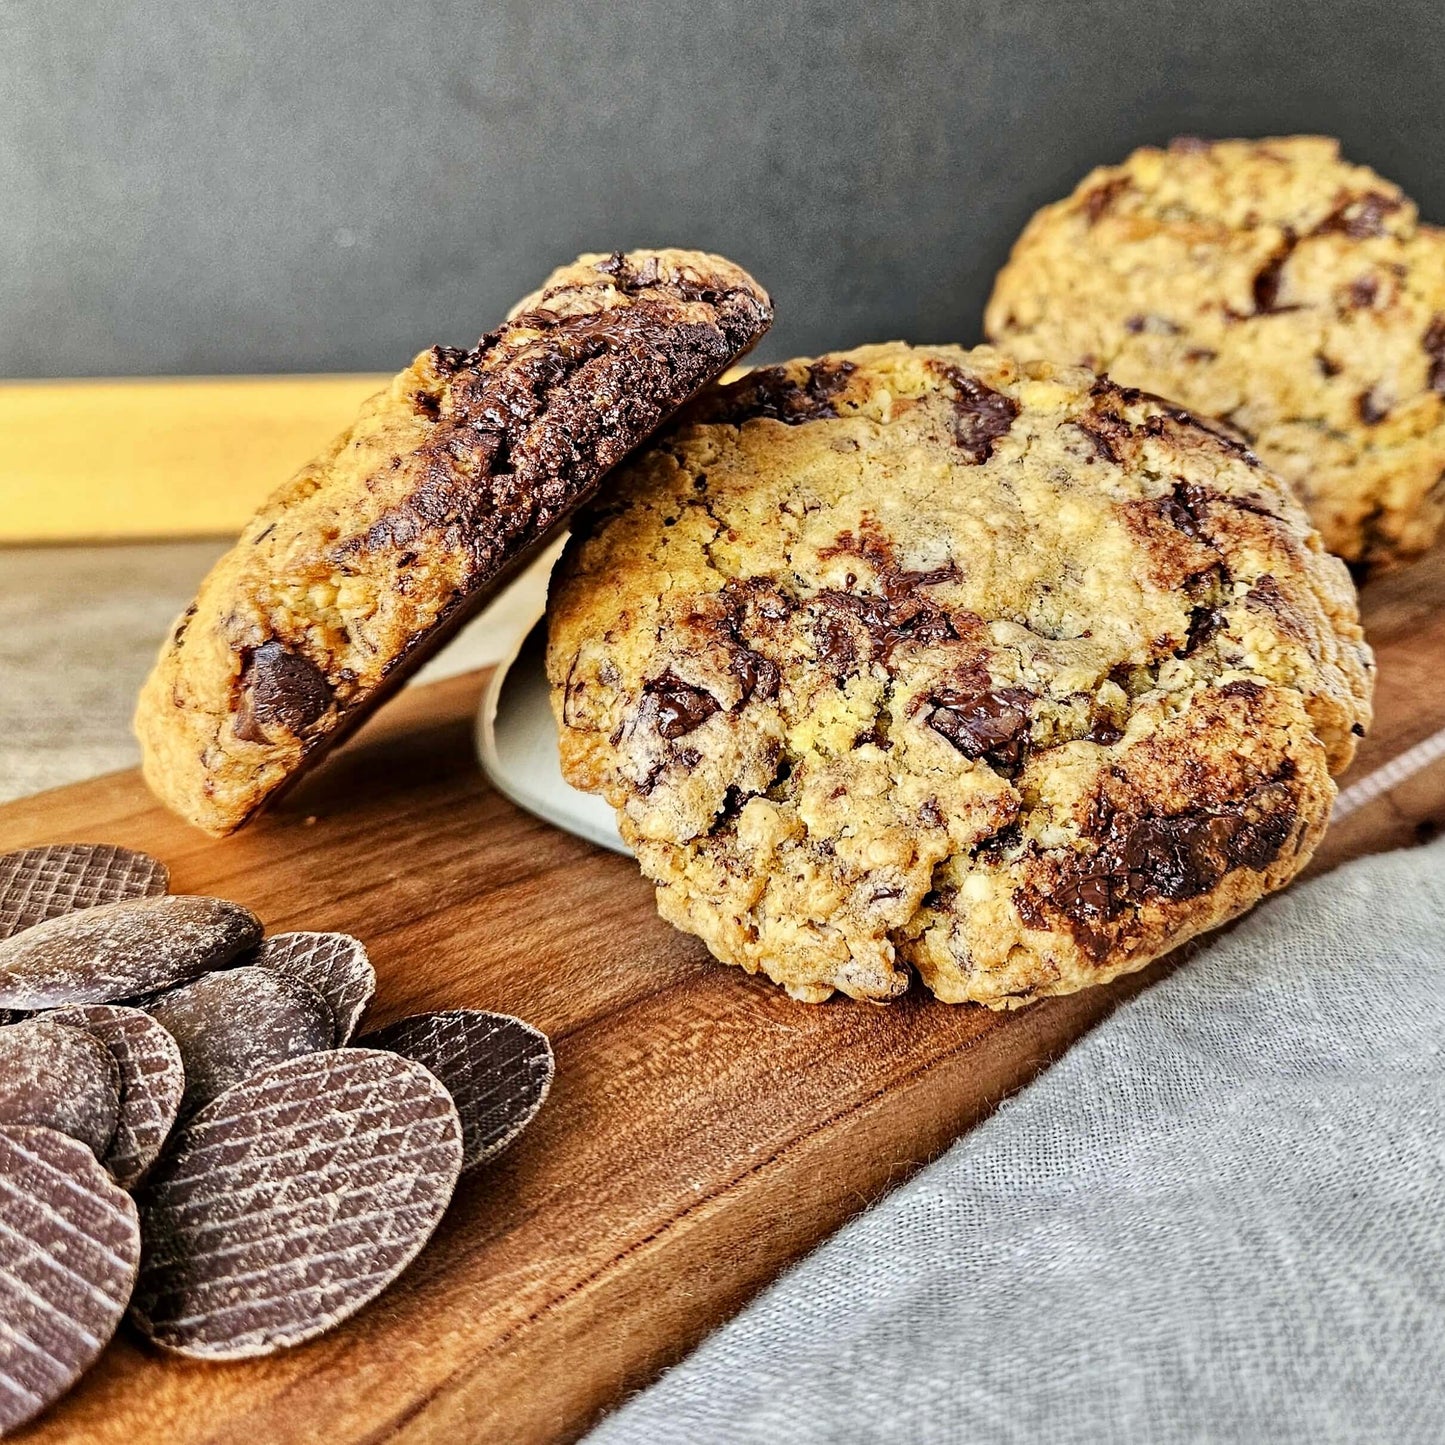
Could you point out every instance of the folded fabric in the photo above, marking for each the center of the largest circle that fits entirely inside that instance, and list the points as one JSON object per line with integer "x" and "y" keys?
{"x": 1220, "y": 1217}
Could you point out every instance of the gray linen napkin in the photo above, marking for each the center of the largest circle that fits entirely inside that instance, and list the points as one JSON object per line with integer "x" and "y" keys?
{"x": 1221, "y": 1217}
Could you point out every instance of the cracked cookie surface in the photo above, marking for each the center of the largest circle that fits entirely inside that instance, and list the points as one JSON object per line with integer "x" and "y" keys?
{"x": 449, "y": 480}
{"x": 1270, "y": 284}
{"x": 921, "y": 658}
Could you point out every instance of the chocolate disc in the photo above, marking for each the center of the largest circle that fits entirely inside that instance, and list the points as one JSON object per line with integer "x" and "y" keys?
{"x": 152, "y": 1080}
{"x": 498, "y": 1069}
{"x": 122, "y": 950}
{"x": 334, "y": 964}
{"x": 291, "y": 1201}
{"x": 41, "y": 883}
{"x": 61, "y": 1078}
{"x": 69, "y": 1248}
{"x": 231, "y": 1025}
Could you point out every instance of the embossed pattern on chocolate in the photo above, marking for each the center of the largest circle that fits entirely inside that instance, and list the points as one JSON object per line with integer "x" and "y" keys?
{"x": 497, "y": 1068}
{"x": 44, "y": 882}
{"x": 71, "y": 1248}
{"x": 152, "y": 1081}
{"x": 1274, "y": 285}
{"x": 293, "y": 1200}
{"x": 376, "y": 552}
{"x": 334, "y": 964}
{"x": 929, "y": 661}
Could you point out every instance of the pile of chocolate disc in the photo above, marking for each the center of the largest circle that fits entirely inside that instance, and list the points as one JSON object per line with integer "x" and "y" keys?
{"x": 187, "y": 1131}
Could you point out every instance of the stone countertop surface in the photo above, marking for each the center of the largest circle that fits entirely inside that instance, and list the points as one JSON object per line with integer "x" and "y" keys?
{"x": 80, "y": 625}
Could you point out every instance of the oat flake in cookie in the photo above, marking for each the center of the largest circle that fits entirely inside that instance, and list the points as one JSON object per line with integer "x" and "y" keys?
{"x": 378, "y": 550}
{"x": 924, "y": 657}
{"x": 1274, "y": 285}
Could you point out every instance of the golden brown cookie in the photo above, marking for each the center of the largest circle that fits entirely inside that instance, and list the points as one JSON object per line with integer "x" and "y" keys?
{"x": 1274, "y": 286}
{"x": 375, "y": 553}
{"x": 922, "y": 657}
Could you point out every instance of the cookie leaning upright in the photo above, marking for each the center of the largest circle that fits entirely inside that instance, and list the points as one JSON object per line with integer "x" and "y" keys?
{"x": 378, "y": 550}
{"x": 925, "y": 657}
{"x": 1273, "y": 285}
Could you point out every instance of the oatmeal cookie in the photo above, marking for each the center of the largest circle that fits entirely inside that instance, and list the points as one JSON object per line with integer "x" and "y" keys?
{"x": 448, "y": 481}
{"x": 922, "y": 658}
{"x": 1270, "y": 284}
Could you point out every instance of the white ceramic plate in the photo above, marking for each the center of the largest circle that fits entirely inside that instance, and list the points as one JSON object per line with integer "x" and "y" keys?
{"x": 517, "y": 743}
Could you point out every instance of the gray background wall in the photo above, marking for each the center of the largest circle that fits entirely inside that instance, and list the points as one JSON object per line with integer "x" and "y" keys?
{"x": 275, "y": 185}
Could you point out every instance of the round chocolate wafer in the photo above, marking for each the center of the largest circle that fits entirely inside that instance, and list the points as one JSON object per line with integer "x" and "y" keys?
{"x": 122, "y": 950}
{"x": 45, "y": 882}
{"x": 152, "y": 1081}
{"x": 58, "y": 1077}
{"x": 232, "y": 1024}
{"x": 293, "y": 1200}
{"x": 334, "y": 964}
{"x": 69, "y": 1249}
{"x": 497, "y": 1068}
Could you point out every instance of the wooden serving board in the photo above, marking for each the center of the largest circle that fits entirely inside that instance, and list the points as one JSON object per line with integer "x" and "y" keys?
{"x": 703, "y": 1132}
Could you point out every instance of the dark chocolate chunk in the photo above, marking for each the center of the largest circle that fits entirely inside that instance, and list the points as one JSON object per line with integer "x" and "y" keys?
{"x": 771, "y": 391}
{"x": 1141, "y": 856}
{"x": 981, "y": 415}
{"x": 291, "y": 1201}
{"x": 1205, "y": 623}
{"x": 152, "y": 1081}
{"x": 334, "y": 964}
{"x": 1373, "y": 409}
{"x": 282, "y": 693}
{"x": 1363, "y": 291}
{"x": 1360, "y": 217}
{"x": 837, "y": 651}
{"x": 498, "y": 1069}
{"x": 1435, "y": 351}
{"x": 1269, "y": 279}
{"x": 58, "y": 1077}
{"x": 1102, "y": 197}
{"x": 757, "y": 675}
{"x": 233, "y": 1024}
{"x": 122, "y": 950}
{"x": 68, "y": 1258}
{"x": 899, "y": 617}
{"x": 680, "y": 707}
{"x": 1105, "y": 731}
{"x": 41, "y": 883}
{"x": 1186, "y": 508}
{"x": 1243, "y": 688}
{"x": 991, "y": 724}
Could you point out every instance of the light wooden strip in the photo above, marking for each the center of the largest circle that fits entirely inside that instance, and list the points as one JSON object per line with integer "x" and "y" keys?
{"x": 1398, "y": 770}
{"x": 99, "y": 460}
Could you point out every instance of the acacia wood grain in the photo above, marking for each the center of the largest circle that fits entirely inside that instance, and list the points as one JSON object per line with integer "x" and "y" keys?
{"x": 703, "y": 1131}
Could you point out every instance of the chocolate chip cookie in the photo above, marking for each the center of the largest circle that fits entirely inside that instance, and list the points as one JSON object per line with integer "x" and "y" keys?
{"x": 1270, "y": 284}
{"x": 926, "y": 659}
{"x": 377, "y": 551}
